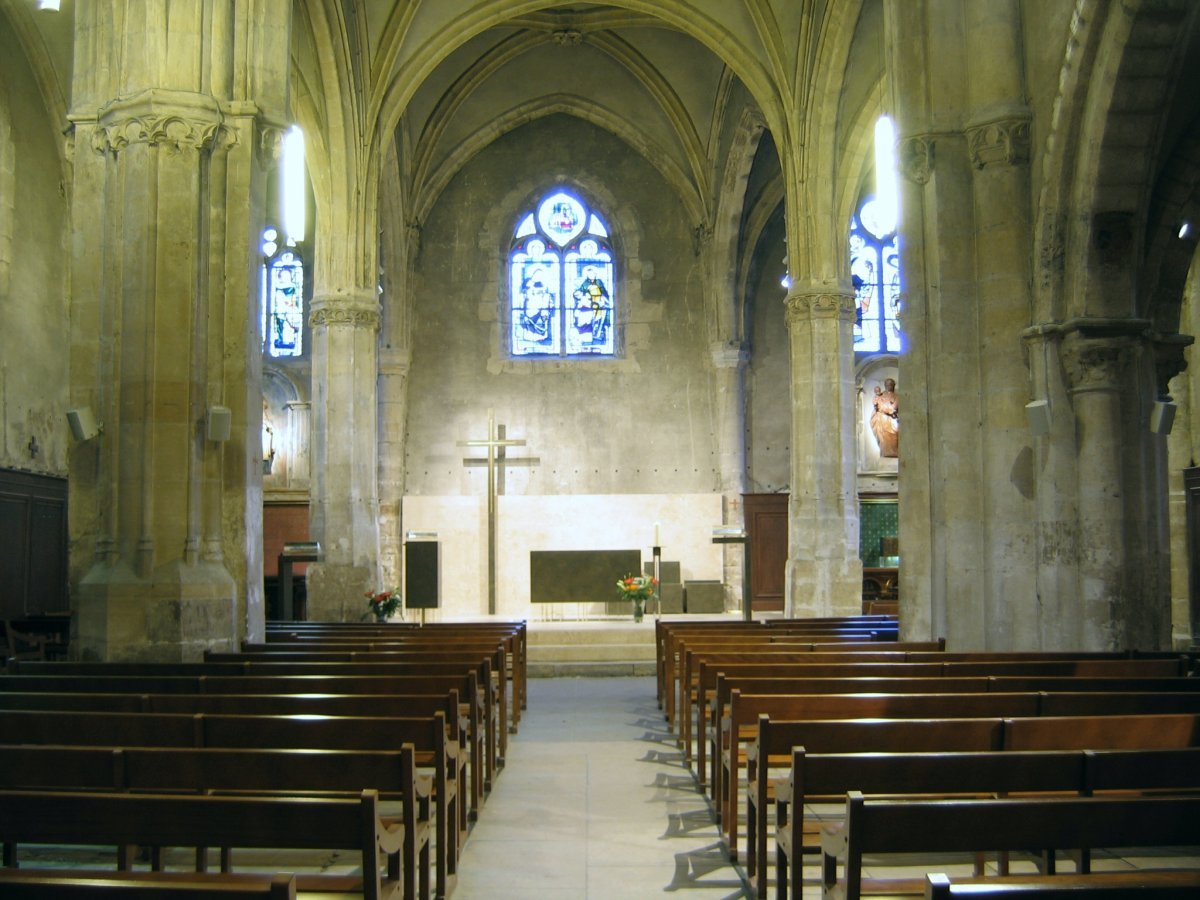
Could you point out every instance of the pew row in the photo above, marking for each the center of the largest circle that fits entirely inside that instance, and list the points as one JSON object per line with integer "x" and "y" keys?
{"x": 878, "y": 826}
{"x": 426, "y": 735}
{"x": 1138, "y": 885}
{"x": 178, "y": 820}
{"x": 392, "y": 774}
{"x": 829, "y": 777}
{"x": 26, "y": 884}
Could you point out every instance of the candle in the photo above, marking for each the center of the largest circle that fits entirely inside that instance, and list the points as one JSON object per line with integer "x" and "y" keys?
{"x": 656, "y": 541}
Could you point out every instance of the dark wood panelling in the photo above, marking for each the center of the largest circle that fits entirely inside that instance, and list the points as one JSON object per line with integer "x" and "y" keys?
{"x": 33, "y": 534}
{"x": 767, "y": 529}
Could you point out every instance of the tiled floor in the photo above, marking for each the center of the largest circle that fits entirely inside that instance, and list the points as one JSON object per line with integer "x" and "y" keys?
{"x": 595, "y": 802}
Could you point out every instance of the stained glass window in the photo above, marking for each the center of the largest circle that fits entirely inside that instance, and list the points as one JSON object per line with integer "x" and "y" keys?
{"x": 282, "y": 297}
{"x": 875, "y": 273}
{"x": 561, "y": 281}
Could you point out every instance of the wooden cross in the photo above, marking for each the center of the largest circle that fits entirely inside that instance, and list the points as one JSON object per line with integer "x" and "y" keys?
{"x": 497, "y": 443}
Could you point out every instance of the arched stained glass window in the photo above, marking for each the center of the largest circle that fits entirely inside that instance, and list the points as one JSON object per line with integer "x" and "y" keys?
{"x": 282, "y": 297}
{"x": 562, "y": 296}
{"x": 875, "y": 272}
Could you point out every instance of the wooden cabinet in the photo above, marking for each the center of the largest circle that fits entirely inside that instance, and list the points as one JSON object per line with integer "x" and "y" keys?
{"x": 767, "y": 530}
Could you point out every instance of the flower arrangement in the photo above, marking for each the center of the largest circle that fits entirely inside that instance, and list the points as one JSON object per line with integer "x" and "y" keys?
{"x": 637, "y": 589}
{"x": 382, "y": 604}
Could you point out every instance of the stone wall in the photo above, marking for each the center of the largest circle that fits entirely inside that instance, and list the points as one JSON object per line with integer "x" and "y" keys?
{"x": 641, "y": 423}
{"x": 33, "y": 346}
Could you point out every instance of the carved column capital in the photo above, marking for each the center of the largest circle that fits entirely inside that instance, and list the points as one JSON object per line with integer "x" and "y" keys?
{"x": 270, "y": 143}
{"x": 1096, "y": 364}
{"x": 802, "y": 307}
{"x": 177, "y": 120}
{"x": 1001, "y": 141}
{"x": 916, "y": 157}
{"x": 350, "y": 309}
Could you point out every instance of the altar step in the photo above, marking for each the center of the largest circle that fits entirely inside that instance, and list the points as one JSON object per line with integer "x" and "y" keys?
{"x": 591, "y": 649}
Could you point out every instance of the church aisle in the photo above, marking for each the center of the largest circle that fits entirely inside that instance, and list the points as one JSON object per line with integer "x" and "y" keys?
{"x": 595, "y": 802}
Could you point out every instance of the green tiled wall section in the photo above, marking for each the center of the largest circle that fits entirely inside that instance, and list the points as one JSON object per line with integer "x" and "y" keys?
{"x": 876, "y": 520}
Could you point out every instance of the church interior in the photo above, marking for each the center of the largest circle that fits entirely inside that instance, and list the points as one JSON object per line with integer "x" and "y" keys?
{"x": 477, "y": 301}
{"x": 188, "y": 384}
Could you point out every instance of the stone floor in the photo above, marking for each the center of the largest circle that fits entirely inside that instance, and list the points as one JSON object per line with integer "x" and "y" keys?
{"x": 595, "y": 802}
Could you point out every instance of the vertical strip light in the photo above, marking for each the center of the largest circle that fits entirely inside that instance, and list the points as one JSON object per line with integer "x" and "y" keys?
{"x": 293, "y": 185}
{"x": 887, "y": 190}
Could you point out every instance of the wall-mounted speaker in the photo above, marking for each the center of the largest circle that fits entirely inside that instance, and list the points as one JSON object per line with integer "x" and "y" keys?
{"x": 218, "y": 423}
{"x": 83, "y": 423}
{"x": 1162, "y": 417}
{"x": 1038, "y": 413}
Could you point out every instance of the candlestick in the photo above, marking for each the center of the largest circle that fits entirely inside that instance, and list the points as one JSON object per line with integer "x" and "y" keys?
{"x": 656, "y": 541}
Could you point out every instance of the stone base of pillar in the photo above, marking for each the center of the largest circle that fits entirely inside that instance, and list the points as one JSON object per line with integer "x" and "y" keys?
{"x": 823, "y": 587}
{"x": 174, "y": 616}
{"x": 338, "y": 593}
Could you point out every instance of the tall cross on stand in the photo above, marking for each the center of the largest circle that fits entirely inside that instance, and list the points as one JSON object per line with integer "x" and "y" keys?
{"x": 496, "y": 460}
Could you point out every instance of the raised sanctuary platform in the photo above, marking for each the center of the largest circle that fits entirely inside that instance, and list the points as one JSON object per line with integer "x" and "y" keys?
{"x": 605, "y": 649}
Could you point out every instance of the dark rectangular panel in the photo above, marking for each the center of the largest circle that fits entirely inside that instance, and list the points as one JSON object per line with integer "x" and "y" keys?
{"x": 14, "y": 561}
{"x": 48, "y": 555}
{"x": 579, "y": 576}
{"x": 421, "y": 583}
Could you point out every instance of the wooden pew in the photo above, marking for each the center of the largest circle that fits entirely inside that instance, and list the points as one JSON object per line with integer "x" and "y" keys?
{"x": 826, "y": 777}
{"x": 494, "y": 702}
{"x": 49, "y": 884}
{"x": 427, "y": 735}
{"x": 747, "y": 710}
{"x": 515, "y": 634}
{"x": 491, "y": 659}
{"x": 1010, "y": 824}
{"x": 392, "y": 774}
{"x": 176, "y": 820}
{"x": 768, "y": 679}
{"x": 668, "y": 633}
{"x": 481, "y": 717}
{"x": 1170, "y": 740}
{"x": 1138, "y": 885}
{"x": 697, "y": 657}
{"x": 820, "y": 776}
{"x": 936, "y": 664}
{"x": 418, "y": 705}
{"x": 508, "y": 666}
{"x": 1090, "y": 667}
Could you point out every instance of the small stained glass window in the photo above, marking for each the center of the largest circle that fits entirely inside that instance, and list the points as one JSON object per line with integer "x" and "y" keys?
{"x": 875, "y": 273}
{"x": 561, "y": 281}
{"x": 282, "y": 297}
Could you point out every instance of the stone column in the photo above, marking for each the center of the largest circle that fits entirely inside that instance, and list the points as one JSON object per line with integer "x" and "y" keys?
{"x": 998, "y": 143}
{"x": 299, "y": 448}
{"x": 169, "y": 188}
{"x": 824, "y": 572}
{"x": 729, "y": 361}
{"x": 394, "y": 365}
{"x": 1096, "y": 370}
{"x": 345, "y": 498}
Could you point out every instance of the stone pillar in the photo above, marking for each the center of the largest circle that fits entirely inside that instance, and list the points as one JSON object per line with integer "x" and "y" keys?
{"x": 824, "y": 572}
{"x": 168, "y": 191}
{"x": 394, "y": 365}
{"x": 998, "y": 143}
{"x": 729, "y": 361}
{"x": 1096, "y": 370}
{"x": 345, "y": 503}
{"x": 299, "y": 444}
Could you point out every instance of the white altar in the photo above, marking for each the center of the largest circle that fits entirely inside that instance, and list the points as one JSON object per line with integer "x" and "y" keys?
{"x": 556, "y": 522}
